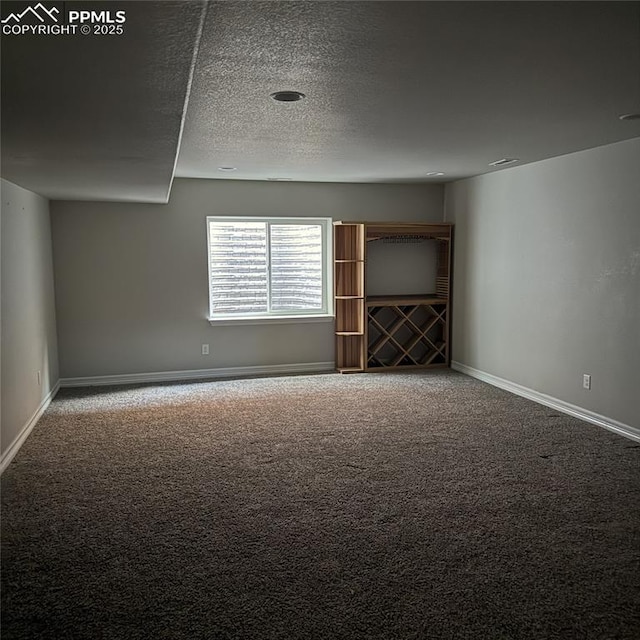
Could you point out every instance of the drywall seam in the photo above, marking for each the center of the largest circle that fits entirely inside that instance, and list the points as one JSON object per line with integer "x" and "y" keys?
{"x": 199, "y": 374}
{"x": 19, "y": 440}
{"x": 549, "y": 401}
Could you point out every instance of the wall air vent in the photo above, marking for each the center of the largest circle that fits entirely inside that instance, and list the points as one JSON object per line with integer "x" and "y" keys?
{"x": 503, "y": 162}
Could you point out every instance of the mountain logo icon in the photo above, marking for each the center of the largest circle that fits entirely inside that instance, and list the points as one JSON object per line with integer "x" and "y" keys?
{"x": 39, "y": 11}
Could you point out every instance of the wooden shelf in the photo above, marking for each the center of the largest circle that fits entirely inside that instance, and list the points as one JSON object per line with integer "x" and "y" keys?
{"x": 395, "y": 331}
{"x": 427, "y": 298}
{"x": 350, "y": 352}
{"x": 431, "y": 231}
{"x": 349, "y": 279}
{"x": 348, "y": 243}
{"x": 350, "y": 316}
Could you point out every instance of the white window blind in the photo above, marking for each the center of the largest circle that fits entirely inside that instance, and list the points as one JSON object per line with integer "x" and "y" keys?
{"x": 268, "y": 267}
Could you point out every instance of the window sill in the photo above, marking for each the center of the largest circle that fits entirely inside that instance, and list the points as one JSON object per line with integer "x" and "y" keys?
{"x": 240, "y": 320}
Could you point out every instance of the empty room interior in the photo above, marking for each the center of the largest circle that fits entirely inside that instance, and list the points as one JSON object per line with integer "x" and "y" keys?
{"x": 320, "y": 320}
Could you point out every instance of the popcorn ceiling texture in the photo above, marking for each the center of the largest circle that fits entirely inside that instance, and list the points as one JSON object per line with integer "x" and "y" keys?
{"x": 396, "y": 90}
{"x": 421, "y": 505}
{"x": 98, "y": 117}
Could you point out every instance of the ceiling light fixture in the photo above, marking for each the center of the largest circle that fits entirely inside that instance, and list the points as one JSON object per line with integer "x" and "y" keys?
{"x": 227, "y": 168}
{"x": 503, "y": 161}
{"x": 630, "y": 116}
{"x": 433, "y": 174}
{"x": 287, "y": 96}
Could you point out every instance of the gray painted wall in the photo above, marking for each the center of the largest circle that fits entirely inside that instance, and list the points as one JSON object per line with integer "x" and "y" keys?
{"x": 28, "y": 310}
{"x": 131, "y": 279}
{"x": 547, "y": 277}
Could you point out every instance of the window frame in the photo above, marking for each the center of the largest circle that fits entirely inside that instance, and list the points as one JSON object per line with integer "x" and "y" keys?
{"x": 325, "y": 314}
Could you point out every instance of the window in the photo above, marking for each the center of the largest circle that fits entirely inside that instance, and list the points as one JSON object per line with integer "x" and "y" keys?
{"x": 269, "y": 268}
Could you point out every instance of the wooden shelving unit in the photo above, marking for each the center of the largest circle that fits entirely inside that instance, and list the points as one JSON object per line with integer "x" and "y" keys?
{"x": 393, "y": 331}
{"x": 349, "y": 256}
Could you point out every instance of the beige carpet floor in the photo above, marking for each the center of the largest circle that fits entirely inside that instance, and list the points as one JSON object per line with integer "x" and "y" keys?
{"x": 377, "y": 506}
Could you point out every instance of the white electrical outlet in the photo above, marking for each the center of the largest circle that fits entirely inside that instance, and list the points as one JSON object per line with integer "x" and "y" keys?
{"x": 205, "y": 349}
{"x": 39, "y": 376}
{"x": 586, "y": 381}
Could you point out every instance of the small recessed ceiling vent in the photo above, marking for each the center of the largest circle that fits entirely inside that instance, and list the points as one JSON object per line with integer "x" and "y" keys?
{"x": 630, "y": 116}
{"x": 287, "y": 96}
{"x": 227, "y": 168}
{"x": 501, "y": 163}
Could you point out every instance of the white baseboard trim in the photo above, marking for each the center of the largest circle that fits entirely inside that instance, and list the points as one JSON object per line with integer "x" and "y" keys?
{"x": 549, "y": 401}
{"x": 19, "y": 440}
{"x": 200, "y": 374}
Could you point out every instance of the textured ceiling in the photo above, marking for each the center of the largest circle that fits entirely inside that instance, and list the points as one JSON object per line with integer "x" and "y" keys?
{"x": 394, "y": 90}
{"x": 399, "y": 89}
{"x": 99, "y": 117}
